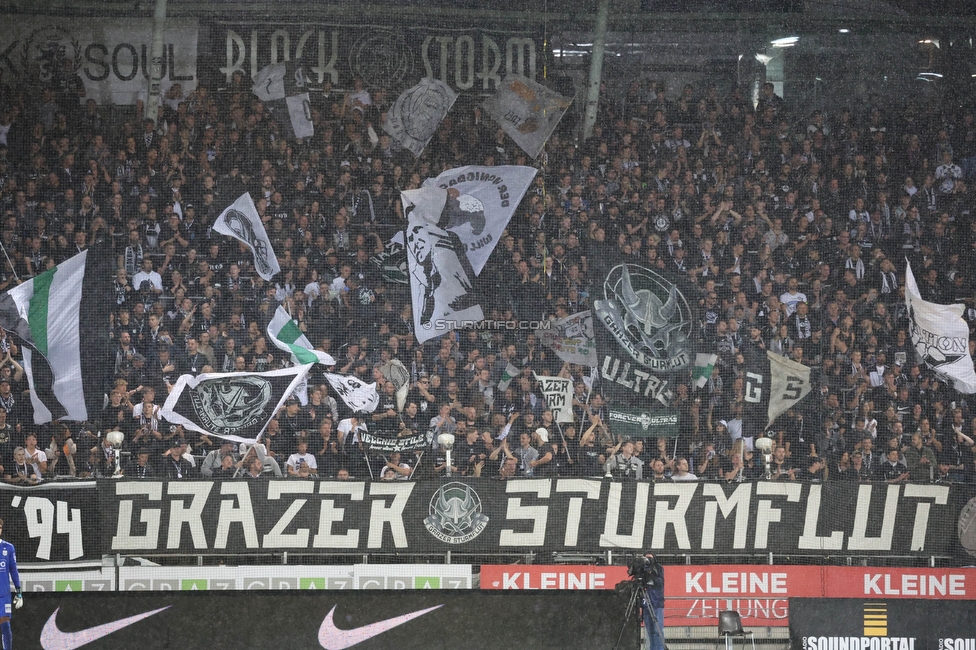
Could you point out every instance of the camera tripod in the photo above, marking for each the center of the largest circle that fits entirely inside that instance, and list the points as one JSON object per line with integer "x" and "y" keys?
{"x": 633, "y": 604}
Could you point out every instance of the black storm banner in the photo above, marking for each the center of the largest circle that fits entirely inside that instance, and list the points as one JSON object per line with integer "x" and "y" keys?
{"x": 333, "y": 620}
{"x": 393, "y": 58}
{"x": 542, "y": 515}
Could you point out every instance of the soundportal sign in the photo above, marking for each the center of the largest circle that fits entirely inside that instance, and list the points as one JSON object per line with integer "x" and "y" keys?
{"x": 533, "y": 514}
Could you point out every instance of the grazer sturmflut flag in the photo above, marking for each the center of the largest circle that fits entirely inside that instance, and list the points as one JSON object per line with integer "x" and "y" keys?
{"x": 775, "y": 385}
{"x": 52, "y": 314}
{"x": 231, "y": 405}
{"x": 644, "y": 320}
{"x": 241, "y": 221}
{"x": 940, "y": 337}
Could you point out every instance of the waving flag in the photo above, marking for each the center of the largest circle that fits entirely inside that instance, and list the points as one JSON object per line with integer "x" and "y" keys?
{"x": 940, "y": 336}
{"x": 51, "y": 314}
{"x": 241, "y": 221}
{"x": 357, "y": 394}
{"x": 572, "y": 339}
{"x": 231, "y": 405}
{"x": 282, "y": 87}
{"x": 440, "y": 276}
{"x": 480, "y": 203}
{"x": 771, "y": 388}
{"x": 284, "y": 333}
{"x": 418, "y": 111}
{"x": 527, "y": 111}
{"x": 510, "y": 373}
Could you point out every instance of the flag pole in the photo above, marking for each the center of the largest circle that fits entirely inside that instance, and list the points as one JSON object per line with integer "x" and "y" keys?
{"x": 9, "y": 263}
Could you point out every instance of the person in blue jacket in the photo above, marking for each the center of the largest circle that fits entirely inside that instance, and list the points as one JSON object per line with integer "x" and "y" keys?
{"x": 8, "y": 573}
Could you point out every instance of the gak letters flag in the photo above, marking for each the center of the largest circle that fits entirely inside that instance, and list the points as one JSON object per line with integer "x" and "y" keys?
{"x": 233, "y": 405}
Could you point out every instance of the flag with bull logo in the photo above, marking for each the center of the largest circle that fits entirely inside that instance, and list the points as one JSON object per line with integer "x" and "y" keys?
{"x": 234, "y": 406}
{"x": 647, "y": 319}
{"x": 527, "y": 111}
{"x": 283, "y": 88}
{"x": 417, "y": 112}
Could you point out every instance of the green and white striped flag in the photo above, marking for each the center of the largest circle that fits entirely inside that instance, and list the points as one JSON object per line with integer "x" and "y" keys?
{"x": 511, "y": 372}
{"x": 704, "y": 364}
{"x": 45, "y": 313}
{"x": 284, "y": 333}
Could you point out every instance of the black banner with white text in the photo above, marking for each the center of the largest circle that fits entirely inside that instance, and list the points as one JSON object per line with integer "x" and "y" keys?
{"x": 546, "y": 515}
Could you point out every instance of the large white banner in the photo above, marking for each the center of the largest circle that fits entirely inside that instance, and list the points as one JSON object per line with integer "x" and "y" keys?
{"x": 527, "y": 111}
{"x": 440, "y": 275}
{"x": 940, "y": 336}
{"x": 480, "y": 203}
{"x": 571, "y": 338}
{"x": 418, "y": 111}
{"x": 559, "y": 396}
{"x": 110, "y": 57}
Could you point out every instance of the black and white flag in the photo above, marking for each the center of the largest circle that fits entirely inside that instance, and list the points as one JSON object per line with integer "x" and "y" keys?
{"x": 558, "y": 392}
{"x": 241, "y": 221}
{"x": 283, "y": 88}
{"x": 647, "y": 318}
{"x": 392, "y": 262}
{"x": 940, "y": 336}
{"x": 774, "y": 386}
{"x": 357, "y": 394}
{"x": 440, "y": 275}
{"x": 527, "y": 111}
{"x": 418, "y": 111}
{"x": 233, "y": 405}
{"x": 480, "y": 203}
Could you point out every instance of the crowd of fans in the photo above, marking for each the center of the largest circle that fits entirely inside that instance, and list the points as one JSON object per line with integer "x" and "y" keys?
{"x": 795, "y": 225}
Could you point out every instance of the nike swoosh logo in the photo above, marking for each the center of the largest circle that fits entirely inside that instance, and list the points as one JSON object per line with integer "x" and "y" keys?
{"x": 54, "y": 639}
{"x": 332, "y": 638}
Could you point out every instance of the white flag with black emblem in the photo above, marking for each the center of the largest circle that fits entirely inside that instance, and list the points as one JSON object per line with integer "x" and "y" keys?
{"x": 417, "y": 112}
{"x": 231, "y": 405}
{"x": 572, "y": 339}
{"x": 940, "y": 336}
{"x": 241, "y": 221}
{"x": 357, "y": 394}
{"x": 527, "y": 111}
{"x": 440, "y": 275}
{"x": 480, "y": 203}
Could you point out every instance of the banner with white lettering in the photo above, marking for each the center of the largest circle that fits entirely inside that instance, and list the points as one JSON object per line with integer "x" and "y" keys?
{"x": 97, "y": 58}
{"x": 56, "y": 522}
{"x": 571, "y": 338}
{"x": 466, "y": 59}
{"x": 558, "y": 393}
{"x": 480, "y": 203}
{"x": 540, "y": 515}
{"x": 772, "y": 386}
{"x": 357, "y": 394}
{"x": 527, "y": 111}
